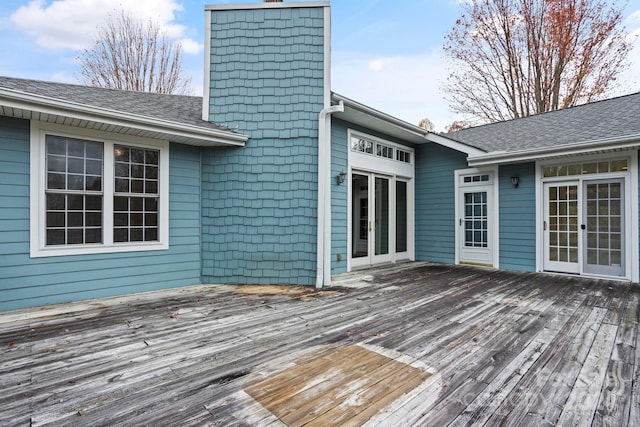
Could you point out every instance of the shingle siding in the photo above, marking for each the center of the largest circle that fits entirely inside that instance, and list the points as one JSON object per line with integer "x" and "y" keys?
{"x": 518, "y": 217}
{"x": 435, "y": 202}
{"x": 260, "y": 202}
{"x": 26, "y": 281}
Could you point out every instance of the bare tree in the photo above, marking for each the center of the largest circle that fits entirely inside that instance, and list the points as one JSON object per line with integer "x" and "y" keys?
{"x": 514, "y": 58}
{"x": 132, "y": 55}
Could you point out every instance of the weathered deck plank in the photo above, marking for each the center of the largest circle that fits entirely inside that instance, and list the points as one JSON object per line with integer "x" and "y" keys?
{"x": 502, "y": 348}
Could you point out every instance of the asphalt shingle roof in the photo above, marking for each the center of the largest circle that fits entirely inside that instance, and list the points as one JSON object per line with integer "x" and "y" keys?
{"x": 175, "y": 108}
{"x": 611, "y": 118}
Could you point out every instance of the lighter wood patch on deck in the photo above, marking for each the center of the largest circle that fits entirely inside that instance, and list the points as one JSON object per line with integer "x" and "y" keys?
{"x": 345, "y": 387}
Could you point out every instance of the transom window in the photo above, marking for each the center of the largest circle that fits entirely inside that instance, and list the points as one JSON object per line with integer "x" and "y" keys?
{"x": 91, "y": 195}
{"x": 586, "y": 168}
{"x": 368, "y": 145}
{"x": 476, "y": 178}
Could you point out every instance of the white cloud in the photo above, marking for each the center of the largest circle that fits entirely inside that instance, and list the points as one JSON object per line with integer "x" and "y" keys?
{"x": 191, "y": 46}
{"x": 71, "y": 24}
{"x": 407, "y": 87}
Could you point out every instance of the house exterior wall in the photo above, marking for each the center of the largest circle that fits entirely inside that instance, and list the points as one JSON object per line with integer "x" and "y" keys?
{"x": 435, "y": 202}
{"x": 26, "y": 281}
{"x": 260, "y": 202}
{"x": 339, "y": 196}
{"x": 339, "y": 193}
{"x": 517, "y": 228}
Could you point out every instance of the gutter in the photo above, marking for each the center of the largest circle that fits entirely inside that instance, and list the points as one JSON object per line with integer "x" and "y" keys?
{"x": 323, "y": 275}
{"x": 606, "y": 144}
{"x": 54, "y": 106}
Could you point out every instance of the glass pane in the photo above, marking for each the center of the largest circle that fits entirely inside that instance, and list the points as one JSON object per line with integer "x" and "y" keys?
{"x": 476, "y": 221}
{"x": 401, "y": 216}
{"x": 360, "y": 215}
{"x": 382, "y": 216}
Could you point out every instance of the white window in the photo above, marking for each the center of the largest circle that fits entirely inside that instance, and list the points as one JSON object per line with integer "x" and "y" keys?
{"x": 365, "y": 144}
{"x": 92, "y": 194}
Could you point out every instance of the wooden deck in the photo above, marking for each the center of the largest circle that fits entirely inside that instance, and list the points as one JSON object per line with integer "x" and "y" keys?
{"x": 413, "y": 344}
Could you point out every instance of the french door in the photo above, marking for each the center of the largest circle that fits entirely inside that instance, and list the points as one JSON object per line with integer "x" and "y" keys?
{"x": 584, "y": 226}
{"x": 476, "y": 223}
{"x": 379, "y": 218}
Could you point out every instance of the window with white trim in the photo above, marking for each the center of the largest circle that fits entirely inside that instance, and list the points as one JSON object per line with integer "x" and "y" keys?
{"x": 94, "y": 195}
{"x": 365, "y": 145}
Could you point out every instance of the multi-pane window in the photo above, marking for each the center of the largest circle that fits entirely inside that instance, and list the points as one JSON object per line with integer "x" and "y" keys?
{"x": 384, "y": 151}
{"x": 73, "y": 195}
{"x": 98, "y": 195}
{"x": 403, "y": 156}
{"x": 476, "y": 220}
{"x": 370, "y": 146}
{"x": 135, "y": 201}
{"x": 586, "y": 168}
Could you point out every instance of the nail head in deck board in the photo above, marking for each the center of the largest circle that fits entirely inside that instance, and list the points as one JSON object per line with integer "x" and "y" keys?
{"x": 347, "y": 386}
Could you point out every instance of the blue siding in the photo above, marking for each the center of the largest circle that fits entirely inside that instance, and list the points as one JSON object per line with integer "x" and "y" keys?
{"x": 28, "y": 282}
{"x": 435, "y": 202}
{"x": 339, "y": 196}
{"x": 260, "y": 202}
{"x": 518, "y": 217}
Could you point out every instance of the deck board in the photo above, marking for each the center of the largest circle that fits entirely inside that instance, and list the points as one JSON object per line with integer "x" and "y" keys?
{"x": 499, "y": 348}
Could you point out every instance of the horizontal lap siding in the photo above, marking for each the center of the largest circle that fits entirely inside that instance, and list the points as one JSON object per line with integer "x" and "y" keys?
{"x": 339, "y": 196}
{"x": 28, "y": 282}
{"x": 435, "y": 202}
{"x": 260, "y": 202}
{"x": 518, "y": 218}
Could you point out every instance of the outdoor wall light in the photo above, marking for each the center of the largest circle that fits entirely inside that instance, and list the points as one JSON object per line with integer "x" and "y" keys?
{"x": 342, "y": 176}
{"x": 515, "y": 181}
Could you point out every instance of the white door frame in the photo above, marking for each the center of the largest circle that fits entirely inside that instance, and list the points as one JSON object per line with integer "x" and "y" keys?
{"x": 491, "y": 255}
{"x": 632, "y": 250}
{"x": 372, "y": 165}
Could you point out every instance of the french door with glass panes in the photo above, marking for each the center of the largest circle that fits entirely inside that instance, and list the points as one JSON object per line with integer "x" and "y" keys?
{"x": 476, "y": 224}
{"x": 379, "y": 218}
{"x": 583, "y": 227}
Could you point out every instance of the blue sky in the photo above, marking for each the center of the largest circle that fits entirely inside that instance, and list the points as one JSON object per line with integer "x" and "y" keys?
{"x": 386, "y": 54}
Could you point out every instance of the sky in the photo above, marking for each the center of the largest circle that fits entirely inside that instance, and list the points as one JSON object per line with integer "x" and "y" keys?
{"x": 385, "y": 54}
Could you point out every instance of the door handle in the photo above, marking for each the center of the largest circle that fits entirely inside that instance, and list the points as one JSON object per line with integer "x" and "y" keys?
{"x": 370, "y": 227}
{"x": 544, "y": 225}
{"x": 583, "y": 227}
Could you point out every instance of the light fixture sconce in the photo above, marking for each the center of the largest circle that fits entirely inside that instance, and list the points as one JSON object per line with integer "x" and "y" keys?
{"x": 342, "y": 176}
{"x": 515, "y": 181}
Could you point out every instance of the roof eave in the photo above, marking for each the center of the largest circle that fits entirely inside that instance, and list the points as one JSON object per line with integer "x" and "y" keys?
{"x": 579, "y": 148}
{"x": 184, "y": 133}
{"x": 413, "y": 133}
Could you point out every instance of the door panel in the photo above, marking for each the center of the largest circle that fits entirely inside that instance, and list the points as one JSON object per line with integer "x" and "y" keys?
{"x": 476, "y": 226}
{"x": 360, "y": 216}
{"x": 382, "y": 216}
{"x": 604, "y": 228}
{"x": 379, "y": 218}
{"x": 561, "y": 234}
{"x": 584, "y": 227}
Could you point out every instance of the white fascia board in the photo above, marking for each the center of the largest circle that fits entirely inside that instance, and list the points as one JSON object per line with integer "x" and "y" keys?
{"x": 74, "y": 110}
{"x": 277, "y": 5}
{"x": 590, "y": 147}
{"x": 408, "y": 127}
